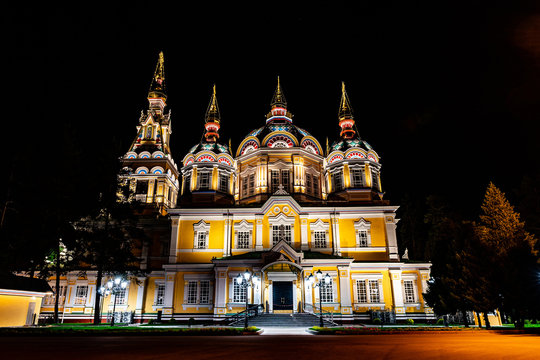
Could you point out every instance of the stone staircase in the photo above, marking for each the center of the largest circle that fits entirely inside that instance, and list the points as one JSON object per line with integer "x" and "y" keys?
{"x": 286, "y": 320}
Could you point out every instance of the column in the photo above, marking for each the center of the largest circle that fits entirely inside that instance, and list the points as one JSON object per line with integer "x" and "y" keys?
{"x": 141, "y": 287}
{"x": 308, "y": 291}
{"x": 174, "y": 240}
{"x": 304, "y": 236}
{"x": 259, "y": 232}
{"x": 227, "y": 236}
{"x": 168, "y": 301}
{"x": 397, "y": 291}
{"x": 391, "y": 237}
{"x": 345, "y": 291}
{"x": 220, "y": 305}
{"x": 335, "y": 233}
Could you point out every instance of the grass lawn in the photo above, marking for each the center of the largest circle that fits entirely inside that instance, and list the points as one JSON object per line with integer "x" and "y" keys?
{"x": 106, "y": 329}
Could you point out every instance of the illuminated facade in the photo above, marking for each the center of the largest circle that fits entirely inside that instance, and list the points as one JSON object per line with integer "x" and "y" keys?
{"x": 282, "y": 207}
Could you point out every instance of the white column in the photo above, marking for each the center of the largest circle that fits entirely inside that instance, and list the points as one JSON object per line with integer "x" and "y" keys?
{"x": 294, "y": 297}
{"x": 345, "y": 291}
{"x": 220, "y": 308}
{"x": 90, "y": 297}
{"x": 259, "y": 233}
{"x": 391, "y": 237}
{"x": 308, "y": 290}
{"x": 397, "y": 291}
{"x": 270, "y": 298}
{"x": 304, "y": 236}
{"x": 257, "y": 288}
{"x": 175, "y": 223}
{"x": 141, "y": 287}
{"x": 168, "y": 300}
{"x": 335, "y": 233}
{"x": 227, "y": 237}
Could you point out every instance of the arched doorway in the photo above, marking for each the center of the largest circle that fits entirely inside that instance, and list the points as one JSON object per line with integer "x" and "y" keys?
{"x": 282, "y": 291}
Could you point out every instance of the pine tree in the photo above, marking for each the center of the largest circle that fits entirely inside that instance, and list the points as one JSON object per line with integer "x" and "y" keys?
{"x": 510, "y": 254}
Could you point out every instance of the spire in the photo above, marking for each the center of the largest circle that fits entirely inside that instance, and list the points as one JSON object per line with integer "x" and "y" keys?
{"x": 345, "y": 109}
{"x": 346, "y": 119}
{"x": 157, "y": 86}
{"x": 278, "y": 100}
{"x": 212, "y": 119}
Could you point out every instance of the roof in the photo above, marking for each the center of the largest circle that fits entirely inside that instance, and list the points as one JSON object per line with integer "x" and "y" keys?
{"x": 23, "y": 283}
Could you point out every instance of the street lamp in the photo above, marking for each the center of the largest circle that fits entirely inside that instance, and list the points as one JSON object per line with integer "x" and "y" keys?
{"x": 247, "y": 280}
{"x": 114, "y": 287}
{"x": 319, "y": 284}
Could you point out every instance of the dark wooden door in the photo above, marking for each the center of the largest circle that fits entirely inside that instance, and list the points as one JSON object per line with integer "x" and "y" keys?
{"x": 282, "y": 295}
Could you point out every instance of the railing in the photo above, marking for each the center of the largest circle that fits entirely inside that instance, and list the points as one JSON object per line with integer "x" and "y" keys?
{"x": 252, "y": 311}
{"x": 327, "y": 316}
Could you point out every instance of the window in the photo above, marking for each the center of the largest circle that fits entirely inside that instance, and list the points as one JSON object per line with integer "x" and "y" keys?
{"x": 80, "y": 295}
{"x": 408, "y": 289}
{"x": 363, "y": 233}
{"x": 244, "y": 187}
{"x": 224, "y": 183}
{"x": 251, "y": 184}
{"x": 204, "y": 292}
{"x": 315, "y": 185}
{"x": 362, "y": 238}
{"x": 239, "y": 293}
{"x": 142, "y": 187}
{"x": 242, "y": 240}
{"x": 327, "y": 292}
{"x": 121, "y": 297}
{"x": 202, "y": 236}
{"x": 374, "y": 296}
{"x": 192, "y": 292}
{"x": 204, "y": 180}
{"x": 368, "y": 291}
{"x": 337, "y": 181}
{"x": 309, "y": 184}
{"x": 51, "y": 299}
{"x": 160, "y": 294}
{"x": 374, "y": 180}
{"x": 280, "y": 232}
{"x": 319, "y": 239}
{"x": 285, "y": 180}
{"x": 357, "y": 180}
{"x": 187, "y": 184}
{"x": 274, "y": 181}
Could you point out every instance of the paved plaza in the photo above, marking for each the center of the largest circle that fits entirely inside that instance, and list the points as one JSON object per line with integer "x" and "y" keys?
{"x": 458, "y": 345}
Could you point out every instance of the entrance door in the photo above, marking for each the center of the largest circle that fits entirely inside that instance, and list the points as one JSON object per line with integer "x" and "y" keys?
{"x": 282, "y": 295}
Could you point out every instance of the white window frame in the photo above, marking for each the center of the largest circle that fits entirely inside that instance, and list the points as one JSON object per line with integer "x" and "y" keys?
{"x": 414, "y": 280}
{"x": 275, "y": 222}
{"x": 368, "y": 280}
{"x": 200, "y": 174}
{"x": 78, "y": 299}
{"x": 327, "y": 292}
{"x": 195, "y": 301}
{"x": 334, "y": 181}
{"x": 319, "y": 226}
{"x": 123, "y": 299}
{"x": 200, "y": 229}
{"x": 362, "y": 177}
{"x": 359, "y": 226}
{"x": 159, "y": 300}
{"x": 243, "y": 227}
{"x": 223, "y": 175}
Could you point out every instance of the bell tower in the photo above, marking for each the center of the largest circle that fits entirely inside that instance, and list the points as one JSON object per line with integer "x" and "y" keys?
{"x": 148, "y": 166}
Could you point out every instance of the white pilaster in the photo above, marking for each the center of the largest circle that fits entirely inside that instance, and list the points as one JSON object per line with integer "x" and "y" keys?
{"x": 168, "y": 300}
{"x": 141, "y": 287}
{"x": 175, "y": 223}
{"x": 397, "y": 291}
{"x": 304, "y": 236}
{"x": 227, "y": 237}
{"x": 220, "y": 308}
{"x": 259, "y": 233}
{"x": 345, "y": 290}
{"x": 391, "y": 237}
{"x": 335, "y": 233}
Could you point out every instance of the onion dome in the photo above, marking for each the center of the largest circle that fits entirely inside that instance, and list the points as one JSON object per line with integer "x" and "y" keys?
{"x": 279, "y": 131}
{"x": 209, "y": 149}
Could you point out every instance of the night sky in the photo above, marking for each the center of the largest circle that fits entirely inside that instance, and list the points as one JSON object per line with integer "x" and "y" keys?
{"x": 446, "y": 92}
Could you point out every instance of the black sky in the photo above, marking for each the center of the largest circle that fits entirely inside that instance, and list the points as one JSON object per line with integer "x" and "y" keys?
{"x": 447, "y": 92}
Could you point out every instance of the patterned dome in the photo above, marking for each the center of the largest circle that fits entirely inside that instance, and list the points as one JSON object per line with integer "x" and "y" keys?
{"x": 216, "y": 148}
{"x": 343, "y": 144}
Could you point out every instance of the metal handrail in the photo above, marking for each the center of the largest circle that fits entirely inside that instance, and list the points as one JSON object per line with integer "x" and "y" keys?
{"x": 252, "y": 311}
{"x": 327, "y": 316}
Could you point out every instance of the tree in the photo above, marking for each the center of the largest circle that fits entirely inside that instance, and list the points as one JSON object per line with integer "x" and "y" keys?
{"x": 509, "y": 254}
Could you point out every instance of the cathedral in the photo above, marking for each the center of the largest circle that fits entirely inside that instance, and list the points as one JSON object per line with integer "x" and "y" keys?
{"x": 280, "y": 223}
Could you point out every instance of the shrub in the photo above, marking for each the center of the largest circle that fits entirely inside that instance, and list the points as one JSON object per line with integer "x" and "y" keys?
{"x": 410, "y": 322}
{"x": 173, "y": 322}
{"x": 377, "y": 321}
{"x": 191, "y": 321}
{"x": 440, "y": 321}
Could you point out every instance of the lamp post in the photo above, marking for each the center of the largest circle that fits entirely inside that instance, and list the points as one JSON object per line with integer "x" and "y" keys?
{"x": 319, "y": 284}
{"x": 247, "y": 280}
{"x": 114, "y": 287}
